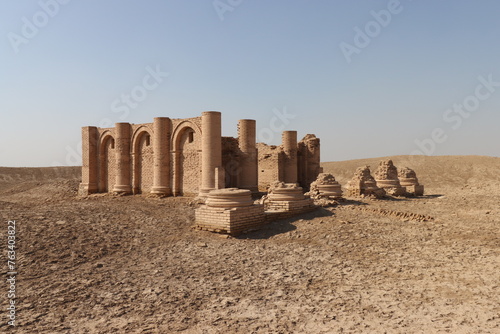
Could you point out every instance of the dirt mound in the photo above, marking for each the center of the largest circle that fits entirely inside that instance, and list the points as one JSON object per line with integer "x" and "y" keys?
{"x": 46, "y": 184}
{"x": 16, "y": 174}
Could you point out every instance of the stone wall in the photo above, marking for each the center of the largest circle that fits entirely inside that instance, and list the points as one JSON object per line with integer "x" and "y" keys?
{"x": 270, "y": 165}
{"x": 275, "y": 162}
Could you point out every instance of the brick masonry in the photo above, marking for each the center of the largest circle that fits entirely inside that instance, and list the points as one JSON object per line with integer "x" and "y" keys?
{"x": 232, "y": 221}
{"x": 175, "y": 157}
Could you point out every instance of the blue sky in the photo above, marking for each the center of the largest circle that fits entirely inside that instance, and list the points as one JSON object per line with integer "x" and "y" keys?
{"x": 68, "y": 64}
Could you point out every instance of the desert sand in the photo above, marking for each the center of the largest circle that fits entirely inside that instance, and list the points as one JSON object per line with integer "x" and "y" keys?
{"x": 133, "y": 264}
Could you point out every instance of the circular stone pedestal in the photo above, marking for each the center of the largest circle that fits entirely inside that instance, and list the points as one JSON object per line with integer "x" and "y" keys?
{"x": 388, "y": 183}
{"x": 229, "y": 198}
{"x": 408, "y": 182}
{"x": 286, "y": 194}
{"x": 330, "y": 190}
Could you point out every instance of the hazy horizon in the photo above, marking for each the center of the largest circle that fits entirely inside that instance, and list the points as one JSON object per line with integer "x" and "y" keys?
{"x": 370, "y": 78}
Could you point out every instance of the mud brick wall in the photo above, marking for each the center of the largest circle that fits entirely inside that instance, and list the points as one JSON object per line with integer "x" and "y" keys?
{"x": 274, "y": 162}
{"x": 185, "y": 159}
{"x": 292, "y": 206}
{"x": 189, "y": 168}
{"x": 231, "y": 162}
{"x": 231, "y": 221}
{"x": 175, "y": 157}
{"x": 308, "y": 160}
{"x": 276, "y": 210}
{"x": 144, "y": 157}
{"x": 270, "y": 165}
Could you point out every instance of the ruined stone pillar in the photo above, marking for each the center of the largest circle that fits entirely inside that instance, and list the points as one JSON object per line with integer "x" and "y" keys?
{"x": 90, "y": 137}
{"x": 211, "y": 152}
{"x": 122, "y": 147}
{"x": 247, "y": 135}
{"x": 289, "y": 142}
{"x": 161, "y": 148}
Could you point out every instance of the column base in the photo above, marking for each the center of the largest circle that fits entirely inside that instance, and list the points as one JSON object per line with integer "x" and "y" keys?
{"x": 122, "y": 189}
{"x": 86, "y": 189}
{"x": 253, "y": 189}
{"x": 204, "y": 192}
{"x": 162, "y": 191}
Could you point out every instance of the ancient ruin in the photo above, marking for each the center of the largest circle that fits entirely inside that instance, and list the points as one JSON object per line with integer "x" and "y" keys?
{"x": 287, "y": 197}
{"x": 230, "y": 211}
{"x": 408, "y": 179}
{"x": 290, "y": 162}
{"x": 191, "y": 157}
{"x": 386, "y": 176}
{"x": 325, "y": 186}
{"x": 363, "y": 184}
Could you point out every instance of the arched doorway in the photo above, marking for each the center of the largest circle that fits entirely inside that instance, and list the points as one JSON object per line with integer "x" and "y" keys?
{"x": 187, "y": 171}
{"x": 143, "y": 163}
{"x": 107, "y": 164}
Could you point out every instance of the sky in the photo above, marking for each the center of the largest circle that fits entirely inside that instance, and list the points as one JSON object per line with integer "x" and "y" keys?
{"x": 370, "y": 78}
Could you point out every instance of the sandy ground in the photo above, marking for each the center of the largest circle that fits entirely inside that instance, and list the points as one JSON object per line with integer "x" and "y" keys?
{"x": 132, "y": 264}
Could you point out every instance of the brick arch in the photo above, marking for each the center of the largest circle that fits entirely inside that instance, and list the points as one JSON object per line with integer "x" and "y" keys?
{"x": 186, "y": 147}
{"x": 180, "y": 128}
{"x": 142, "y": 160}
{"x": 107, "y": 162}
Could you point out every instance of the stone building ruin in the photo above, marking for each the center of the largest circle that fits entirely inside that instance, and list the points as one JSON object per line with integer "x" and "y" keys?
{"x": 386, "y": 176}
{"x": 191, "y": 157}
{"x": 408, "y": 179}
{"x": 363, "y": 184}
{"x": 388, "y": 180}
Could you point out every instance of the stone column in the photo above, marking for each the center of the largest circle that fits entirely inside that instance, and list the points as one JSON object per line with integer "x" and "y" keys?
{"x": 247, "y": 136}
{"x": 289, "y": 142}
{"x": 211, "y": 151}
{"x": 122, "y": 147}
{"x": 161, "y": 149}
{"x": 90, "y": 137}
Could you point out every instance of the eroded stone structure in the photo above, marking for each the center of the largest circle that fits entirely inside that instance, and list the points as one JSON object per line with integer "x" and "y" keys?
{"x": 291, "y": 162}
{"x": 230, "y": 211}
{"x": 190, "y": 157}
{"x": 408, "y": 179}
{"x": 287, "y": 198}
{"x": 363, "y": 184}
{"x": 325, "y": 186}
{"x": 386, "y": 176}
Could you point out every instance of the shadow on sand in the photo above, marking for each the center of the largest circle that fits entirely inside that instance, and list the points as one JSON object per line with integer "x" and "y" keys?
{"x": 284, "y": 225}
